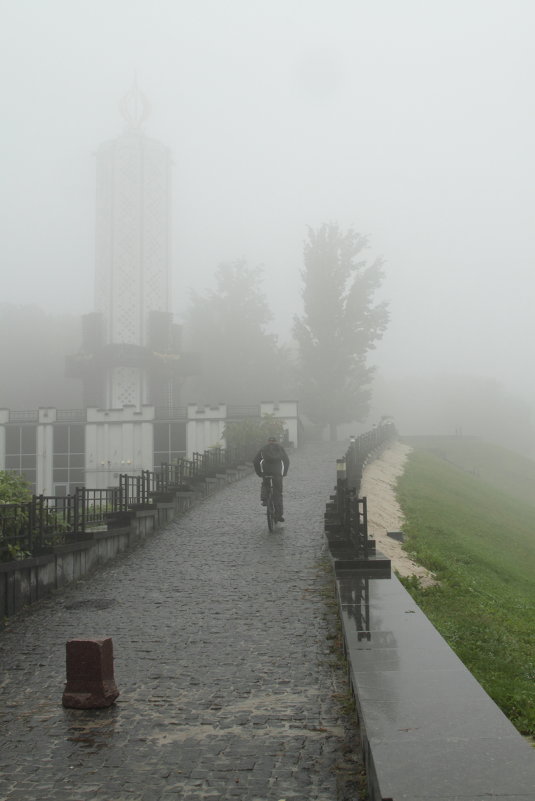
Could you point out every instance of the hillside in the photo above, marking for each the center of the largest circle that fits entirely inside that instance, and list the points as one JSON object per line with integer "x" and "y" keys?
{"x": 470, "y": 518}
{"x": 508, "y": 471}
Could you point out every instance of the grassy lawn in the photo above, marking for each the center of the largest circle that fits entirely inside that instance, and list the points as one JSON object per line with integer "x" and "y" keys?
{"x": 478, "y": 537}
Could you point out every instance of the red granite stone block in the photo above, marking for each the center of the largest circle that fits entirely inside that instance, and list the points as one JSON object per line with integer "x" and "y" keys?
{"x": 90, "y": 680}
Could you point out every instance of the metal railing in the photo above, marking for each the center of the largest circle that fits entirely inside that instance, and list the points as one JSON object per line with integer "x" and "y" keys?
{"x": 350, "y": 510}
{"x": 31, "y": 527}
{"x": 361, "y": 448}
{"x": 92, "y": 507}
{"x": 24, "y": 416}
{"x": 16, "y": 527}
{"x": 71, "y": 416}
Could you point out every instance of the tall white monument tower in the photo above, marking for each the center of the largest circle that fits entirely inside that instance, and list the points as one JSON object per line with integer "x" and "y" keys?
{"x": 131, "y": 348}
{"x": 132, "y": 271}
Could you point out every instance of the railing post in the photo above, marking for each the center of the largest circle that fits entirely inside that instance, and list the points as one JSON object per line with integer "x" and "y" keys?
{"x": 31, "y": 523}
{"x": 142, "y": 487}
{"x": 41, "y": 511}
{"x": 341, "y": 489}
{"x": 121, "y": 499}
{"x": 80, "y": 511}
{"x": 364, "y": 523}
{"x": 76, "y": 511}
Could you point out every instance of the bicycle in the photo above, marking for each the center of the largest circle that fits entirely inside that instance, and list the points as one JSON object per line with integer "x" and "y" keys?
{"x": 270, "y": 502}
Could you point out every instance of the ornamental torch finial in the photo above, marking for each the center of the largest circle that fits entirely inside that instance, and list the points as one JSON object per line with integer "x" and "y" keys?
{"x": 135, "y": 107}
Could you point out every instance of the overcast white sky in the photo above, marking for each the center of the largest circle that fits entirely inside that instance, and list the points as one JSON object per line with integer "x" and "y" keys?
{"x": 412, "y": 121}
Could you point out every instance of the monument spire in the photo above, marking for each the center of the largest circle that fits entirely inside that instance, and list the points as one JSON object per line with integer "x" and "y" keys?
{"x": 134, "y": 107}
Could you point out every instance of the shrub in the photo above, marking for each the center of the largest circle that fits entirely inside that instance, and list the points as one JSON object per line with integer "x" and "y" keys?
{"x": 248, "y": 435}
{"x": 13, "y": 488}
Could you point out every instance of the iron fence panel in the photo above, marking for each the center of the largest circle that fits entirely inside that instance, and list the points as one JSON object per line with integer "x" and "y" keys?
{"x": 352, "y": 510}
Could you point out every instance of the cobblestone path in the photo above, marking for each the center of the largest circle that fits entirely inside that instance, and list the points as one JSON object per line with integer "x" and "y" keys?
{"x": 223, "y": 634}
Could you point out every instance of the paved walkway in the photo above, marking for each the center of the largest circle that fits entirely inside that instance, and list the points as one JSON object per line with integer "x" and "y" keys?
{"x": 231, "y": 686}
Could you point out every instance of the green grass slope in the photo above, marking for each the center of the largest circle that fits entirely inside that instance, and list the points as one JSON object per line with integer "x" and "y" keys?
{"x": 503, "y": 469}
{"x": 479, "y": 540}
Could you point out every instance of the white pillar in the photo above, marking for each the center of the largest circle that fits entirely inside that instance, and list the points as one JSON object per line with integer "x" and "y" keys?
{"x": 44, "y": 483}
{"x": 4, "y": 418}
{"x": 205, "y": 427}
{"x": 118, "y": 441}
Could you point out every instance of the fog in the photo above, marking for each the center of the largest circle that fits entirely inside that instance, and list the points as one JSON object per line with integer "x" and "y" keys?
{"x": 410, "y": 121}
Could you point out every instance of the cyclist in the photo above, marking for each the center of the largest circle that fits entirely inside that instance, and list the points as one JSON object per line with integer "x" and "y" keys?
{"x": 272, "y": 460}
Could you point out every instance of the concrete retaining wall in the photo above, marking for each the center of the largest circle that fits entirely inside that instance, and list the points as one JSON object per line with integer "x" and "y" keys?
{"x": 428, "y": 729}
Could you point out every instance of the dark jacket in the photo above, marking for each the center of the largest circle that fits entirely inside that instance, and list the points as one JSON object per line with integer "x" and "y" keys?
{"x": 272, "y": 459}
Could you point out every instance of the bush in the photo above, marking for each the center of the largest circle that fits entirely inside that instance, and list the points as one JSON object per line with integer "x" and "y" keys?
{"x": 14, "y": 488}
{"x": 247, "y": 436}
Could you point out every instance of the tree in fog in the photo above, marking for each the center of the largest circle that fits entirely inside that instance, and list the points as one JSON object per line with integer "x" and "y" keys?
{"x": 339, "y": 326}
{"x": 241, "y": 362}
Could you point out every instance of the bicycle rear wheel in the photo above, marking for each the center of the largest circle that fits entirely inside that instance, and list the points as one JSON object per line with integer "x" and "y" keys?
{"x": 270, "y": 511}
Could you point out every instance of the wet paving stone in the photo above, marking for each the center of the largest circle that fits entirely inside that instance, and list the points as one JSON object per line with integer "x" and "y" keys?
{"x": 223, "y": 644}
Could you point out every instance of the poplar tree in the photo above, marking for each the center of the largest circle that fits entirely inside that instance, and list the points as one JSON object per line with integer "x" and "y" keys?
{"x": 339, "y": 326}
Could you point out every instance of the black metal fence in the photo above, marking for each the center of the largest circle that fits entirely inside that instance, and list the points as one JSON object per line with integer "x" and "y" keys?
{"x": 44, "y": 521}
{"x": 361, "y": 448}
{"x": 351, "y": 514}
